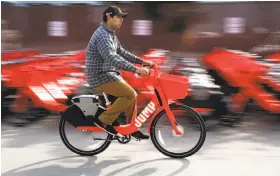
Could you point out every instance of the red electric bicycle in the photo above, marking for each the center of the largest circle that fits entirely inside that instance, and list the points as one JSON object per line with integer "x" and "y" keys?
{"x": 172, "y": 126}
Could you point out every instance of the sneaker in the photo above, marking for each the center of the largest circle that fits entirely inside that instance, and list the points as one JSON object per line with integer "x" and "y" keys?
{"x": 139, "y": 135}
{"x": 108, "y": 128}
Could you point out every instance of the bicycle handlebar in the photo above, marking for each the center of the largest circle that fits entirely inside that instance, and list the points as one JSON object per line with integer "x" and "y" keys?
{"x": 153, "y": 68}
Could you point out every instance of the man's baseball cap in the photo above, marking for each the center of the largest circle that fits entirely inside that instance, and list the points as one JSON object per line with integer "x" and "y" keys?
{"x": 114, "y": 11}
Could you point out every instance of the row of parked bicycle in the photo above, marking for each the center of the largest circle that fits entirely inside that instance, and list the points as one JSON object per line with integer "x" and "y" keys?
{"x": 221, "y": 83}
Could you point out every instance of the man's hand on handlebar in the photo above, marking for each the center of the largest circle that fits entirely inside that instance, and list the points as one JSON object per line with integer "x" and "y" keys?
{"x": 148, "y": 63}
{"x": 142, "y": 71}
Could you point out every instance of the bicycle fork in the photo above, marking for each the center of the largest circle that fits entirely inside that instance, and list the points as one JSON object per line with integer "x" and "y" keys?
{"x": 164, "y": 102}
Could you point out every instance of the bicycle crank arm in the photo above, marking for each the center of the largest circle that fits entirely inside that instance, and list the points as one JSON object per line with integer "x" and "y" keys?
{"x": 116, "y": 138}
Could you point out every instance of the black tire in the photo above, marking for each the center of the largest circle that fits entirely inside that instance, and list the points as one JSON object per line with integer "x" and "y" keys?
{"x": 78, "y": 151}
{"x": 195, "y": 148}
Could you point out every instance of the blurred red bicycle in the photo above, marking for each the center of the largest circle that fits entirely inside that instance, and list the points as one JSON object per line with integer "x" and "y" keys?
{"x": 167, "y": 120}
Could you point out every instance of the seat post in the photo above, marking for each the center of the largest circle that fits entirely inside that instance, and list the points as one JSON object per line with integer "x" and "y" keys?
{"x": 106, "y": 99}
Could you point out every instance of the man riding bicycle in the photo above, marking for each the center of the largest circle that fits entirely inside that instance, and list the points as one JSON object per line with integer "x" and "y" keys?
{"x": 104, "y": 58}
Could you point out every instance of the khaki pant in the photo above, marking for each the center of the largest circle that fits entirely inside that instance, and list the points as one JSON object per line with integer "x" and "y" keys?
{"x": 126, "y": 101}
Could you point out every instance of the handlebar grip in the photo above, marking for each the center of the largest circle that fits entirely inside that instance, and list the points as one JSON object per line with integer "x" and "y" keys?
{"x": 149, "y": 67}
{"x": 137, "y": 75}
{"x": 152, "y": 69}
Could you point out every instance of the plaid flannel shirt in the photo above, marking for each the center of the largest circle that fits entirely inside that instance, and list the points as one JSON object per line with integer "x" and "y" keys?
{"x": 105, "y": 57}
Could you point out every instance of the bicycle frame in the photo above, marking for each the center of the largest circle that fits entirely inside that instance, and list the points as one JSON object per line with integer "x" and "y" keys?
{"x": 158, "y": 103}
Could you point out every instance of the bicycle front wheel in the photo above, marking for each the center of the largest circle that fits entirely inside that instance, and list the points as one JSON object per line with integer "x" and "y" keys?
{"x": 189, "y": 122}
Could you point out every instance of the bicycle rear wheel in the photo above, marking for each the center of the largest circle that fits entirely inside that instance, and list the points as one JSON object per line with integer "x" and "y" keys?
{"x": 169, "y": 143}
{"x": 75, "y": 140}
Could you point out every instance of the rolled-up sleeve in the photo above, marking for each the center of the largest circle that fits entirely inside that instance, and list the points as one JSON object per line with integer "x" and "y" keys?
{"x": 127, "y": 55}
{"x": 105, "y": 47}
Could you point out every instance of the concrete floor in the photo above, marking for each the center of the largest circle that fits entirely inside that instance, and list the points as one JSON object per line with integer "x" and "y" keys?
{"x": 253, "y": 148}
